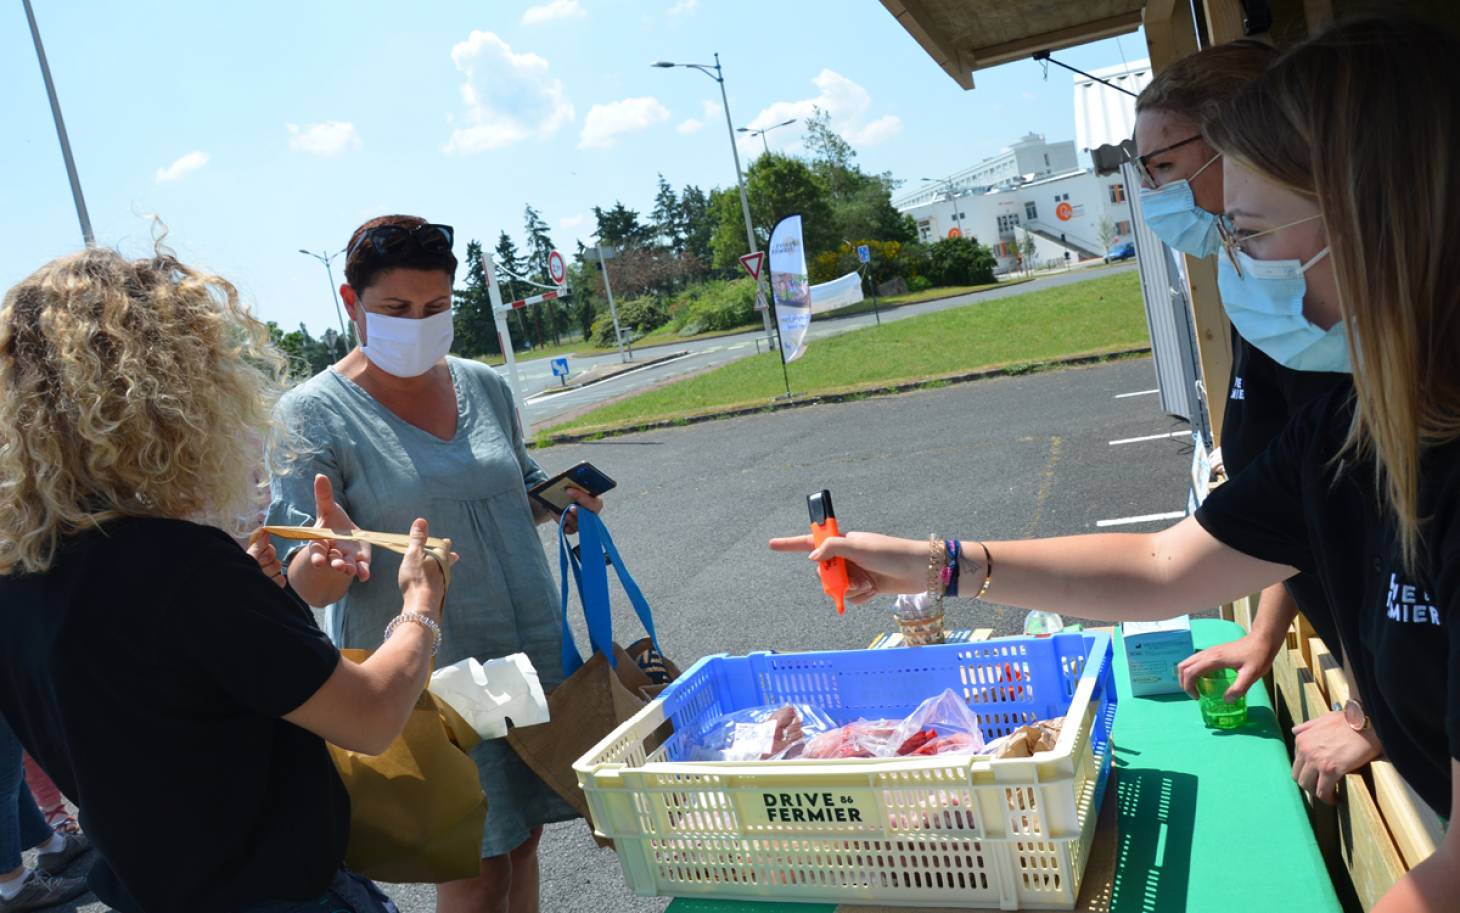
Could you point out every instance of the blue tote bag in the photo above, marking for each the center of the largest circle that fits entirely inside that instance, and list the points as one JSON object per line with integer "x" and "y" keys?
{"x": 607, "y": 688}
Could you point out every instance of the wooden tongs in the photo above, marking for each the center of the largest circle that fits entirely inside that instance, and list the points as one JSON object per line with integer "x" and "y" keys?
{"x": 439, "y": 549}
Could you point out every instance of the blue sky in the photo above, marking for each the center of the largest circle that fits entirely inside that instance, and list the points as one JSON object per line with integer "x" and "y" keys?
{"x": 255, "y": 129}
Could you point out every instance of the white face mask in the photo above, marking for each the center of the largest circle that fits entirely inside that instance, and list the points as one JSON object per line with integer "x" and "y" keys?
{"x": 406, "y": 347}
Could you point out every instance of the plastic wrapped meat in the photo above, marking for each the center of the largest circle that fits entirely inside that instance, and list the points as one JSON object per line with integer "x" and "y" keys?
{"x": 862, "y": 739}
{"x": 771, "y": 733}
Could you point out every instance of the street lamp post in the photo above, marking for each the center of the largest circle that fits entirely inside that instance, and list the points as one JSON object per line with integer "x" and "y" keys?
{"x": 957, "y": 217}
{"x": 40, "y": 52}
{"x": 329, "y": 271}
{"x": 763, "y": 131}
{"x": 715, "y": 73}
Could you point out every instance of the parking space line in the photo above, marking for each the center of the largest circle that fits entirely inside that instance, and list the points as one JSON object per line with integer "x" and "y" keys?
{"x": 1148, "y": 518}
{"x": 1137, "y": 393}
{"x": 1150, "y": 437}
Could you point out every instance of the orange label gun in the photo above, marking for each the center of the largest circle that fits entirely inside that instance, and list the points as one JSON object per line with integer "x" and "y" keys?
{"x": 823, "y": 526}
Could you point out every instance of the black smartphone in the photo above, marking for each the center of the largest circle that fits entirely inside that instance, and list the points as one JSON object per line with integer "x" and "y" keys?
{"x": 585, "y": 476}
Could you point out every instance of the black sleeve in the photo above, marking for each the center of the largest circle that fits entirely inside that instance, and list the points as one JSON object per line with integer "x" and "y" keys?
{"x": 1260, "y": 511}
{"x": 258, "y": 642}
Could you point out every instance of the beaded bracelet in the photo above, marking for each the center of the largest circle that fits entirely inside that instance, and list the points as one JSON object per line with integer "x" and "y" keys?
{"x": 424, "y": 621}
{"x": 952, "y": 550}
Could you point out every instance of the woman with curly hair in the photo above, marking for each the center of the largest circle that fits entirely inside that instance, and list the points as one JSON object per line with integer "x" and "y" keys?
{"x": 144, "y": 652}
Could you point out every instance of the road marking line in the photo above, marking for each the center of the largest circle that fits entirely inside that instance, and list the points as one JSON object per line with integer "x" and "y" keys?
{"x": 1150, "y": 437}
{"x": 1148, "y": 518}
{"x": 1137, "y": 393}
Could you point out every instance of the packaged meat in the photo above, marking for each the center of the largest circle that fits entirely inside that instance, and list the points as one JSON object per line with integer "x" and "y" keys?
{"x": 771, "y": 733}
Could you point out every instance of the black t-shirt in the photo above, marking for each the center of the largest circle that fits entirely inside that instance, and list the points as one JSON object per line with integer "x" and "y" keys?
{"x": 147, "y": 672}
{"x": 1298, "y": 505}
{"x": 1263, "y": 397}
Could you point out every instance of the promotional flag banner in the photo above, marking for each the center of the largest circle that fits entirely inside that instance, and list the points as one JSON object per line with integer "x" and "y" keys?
{"x": 790, "y": 286}
{"x": 838, "y": 293}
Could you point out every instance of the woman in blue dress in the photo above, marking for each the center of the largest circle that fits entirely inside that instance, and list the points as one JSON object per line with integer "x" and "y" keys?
{"x": 397, "y": 430}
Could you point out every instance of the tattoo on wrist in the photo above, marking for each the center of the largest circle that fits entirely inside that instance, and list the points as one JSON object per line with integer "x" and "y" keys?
{"x": 971, "y": 568}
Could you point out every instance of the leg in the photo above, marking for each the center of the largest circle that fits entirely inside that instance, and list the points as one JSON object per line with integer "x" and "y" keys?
{"x": 523, "y": 895}
{"x": 486, "y": 893}
{"x": 48, "y": 797}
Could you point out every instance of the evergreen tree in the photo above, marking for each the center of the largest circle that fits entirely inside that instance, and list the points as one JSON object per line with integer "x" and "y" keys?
{"x": 509, "y": 263}
{"x": 669, "y": 217}
{"x": 475, "y": 330}
{"x": 698, "y": 223}
{"x": 546, "y": 316}
{"x": 620, "y": 227}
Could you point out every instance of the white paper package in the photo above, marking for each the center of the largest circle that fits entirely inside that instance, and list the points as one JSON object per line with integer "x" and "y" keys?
{"x": 489, "y": 694}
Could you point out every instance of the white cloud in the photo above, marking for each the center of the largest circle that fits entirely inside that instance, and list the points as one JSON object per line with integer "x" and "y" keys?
{"x": 690, "y": 126}
{"x": 553, "y": 10}
{"x": 683, "y": 7}
{"x": 572, "y": 221}
{"x": 606, "y": 123}
{"x": 330, "y": 138}
{"x": 712, "y": 110}
{"x": 509, "y": 97}
{"x": 185, "y": 165}
{"x": 848, "y": 104}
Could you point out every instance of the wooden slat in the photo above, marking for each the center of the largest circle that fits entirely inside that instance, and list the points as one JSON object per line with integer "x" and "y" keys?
{"x": 1306, "y": 634}
{"x": 1224, "y": 20}
{"x": 1322, "y": 661}
{"x": 1373, "y": 862}
{"x": 1289, "y": 674}
{"x": 994, "y": 54}
{"x": 981, "y": 634}
{"x": 1415, "y": 827}
{"x": 1337, "y": 687}
{"x": 1170, "y": 34}
{"x": 1244, "y": 610}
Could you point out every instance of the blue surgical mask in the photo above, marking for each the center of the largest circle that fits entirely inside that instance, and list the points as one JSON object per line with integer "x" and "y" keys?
{"x": 1265, "y": 304}
{"x": 1173, "y": 215}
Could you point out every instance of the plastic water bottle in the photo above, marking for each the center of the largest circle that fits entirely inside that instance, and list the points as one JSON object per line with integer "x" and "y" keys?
{"x": 1042, "y": 624}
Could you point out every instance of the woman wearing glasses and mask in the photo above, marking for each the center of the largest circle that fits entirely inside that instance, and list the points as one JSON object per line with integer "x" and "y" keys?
{"x": 1340, "y": 189}
{"x": 399, "y": 429}
{"x": 1280, "y": 362}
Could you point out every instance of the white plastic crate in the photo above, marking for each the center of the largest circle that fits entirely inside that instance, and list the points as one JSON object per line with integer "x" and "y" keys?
{"x": 943, "y": 831}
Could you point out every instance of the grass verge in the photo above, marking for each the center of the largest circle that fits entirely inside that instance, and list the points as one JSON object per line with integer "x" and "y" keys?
{"x": 1014, "y": 334}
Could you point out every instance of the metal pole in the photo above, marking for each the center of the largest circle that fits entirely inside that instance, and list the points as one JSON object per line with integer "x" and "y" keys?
{"x": 76, "y": 195}
{"x": 339, "y": 312}
{"x": 872, "y": 281}
{"x": 740, "y": 177}
{"x": 612, "y": 311}
{"x": 504, "y": 337}
{"x": 763, "y": 142}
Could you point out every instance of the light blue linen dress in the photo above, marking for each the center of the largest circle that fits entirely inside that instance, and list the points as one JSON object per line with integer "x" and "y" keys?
{"x": 473, "y": 489}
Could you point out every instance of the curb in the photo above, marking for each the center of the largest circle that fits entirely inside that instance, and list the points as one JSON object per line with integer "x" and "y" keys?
{"x": 1036, "y": 367}
{"x": 630, "y": 366}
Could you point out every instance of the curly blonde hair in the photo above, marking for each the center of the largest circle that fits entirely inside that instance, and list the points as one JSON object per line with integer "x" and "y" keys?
{"x": 131, "y": 388}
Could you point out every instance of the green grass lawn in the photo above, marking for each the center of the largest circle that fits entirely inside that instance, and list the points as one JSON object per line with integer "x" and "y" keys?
{"x": 1101, "y": 315}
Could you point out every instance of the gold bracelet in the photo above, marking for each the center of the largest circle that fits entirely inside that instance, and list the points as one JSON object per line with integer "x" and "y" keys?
{"x": 988, "y": 571}
{"x": 935, "y": 569}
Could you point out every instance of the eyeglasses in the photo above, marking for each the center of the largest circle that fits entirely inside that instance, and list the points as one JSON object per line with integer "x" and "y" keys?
{"x": 1232, "y": 244}
{"x": 1138, "y": 162}
{"x": 434, "y": 239}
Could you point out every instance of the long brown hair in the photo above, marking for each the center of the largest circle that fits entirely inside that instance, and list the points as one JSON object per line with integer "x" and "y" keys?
{"x": 1365, "y": 119}
{"x": 1189, "y": 85}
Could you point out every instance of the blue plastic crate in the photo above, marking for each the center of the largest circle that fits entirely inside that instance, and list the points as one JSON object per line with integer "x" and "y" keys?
{"x": 943, "y": 831}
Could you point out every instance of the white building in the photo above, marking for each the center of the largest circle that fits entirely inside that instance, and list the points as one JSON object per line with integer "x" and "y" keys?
{"x": 1102, "y": 114}
{"x": 1060, "y": 207}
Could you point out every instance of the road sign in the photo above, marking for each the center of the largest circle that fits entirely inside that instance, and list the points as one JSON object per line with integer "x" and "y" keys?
{"x": 753, "y": 263}
{"x": 760, "y": 304}
{"x": 864, "y": 253}
{"x": 557, "y": 268}
{"x": 560, "y": 367}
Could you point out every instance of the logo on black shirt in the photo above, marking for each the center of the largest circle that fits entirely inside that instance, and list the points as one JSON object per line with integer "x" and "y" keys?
{"x": 1406, "y": 603}
{"x": 1237, "y": 390}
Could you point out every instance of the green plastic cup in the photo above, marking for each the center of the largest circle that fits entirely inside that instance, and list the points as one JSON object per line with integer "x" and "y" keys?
{"x": 1215, "y": 711}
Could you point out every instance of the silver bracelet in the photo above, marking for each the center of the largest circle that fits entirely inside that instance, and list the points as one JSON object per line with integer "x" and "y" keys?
{"x": 424, "y": 621}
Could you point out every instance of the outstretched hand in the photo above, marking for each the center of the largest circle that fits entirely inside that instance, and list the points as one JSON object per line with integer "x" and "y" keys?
{"x": 349, "y": 558}
{"x": 875, "y": 563}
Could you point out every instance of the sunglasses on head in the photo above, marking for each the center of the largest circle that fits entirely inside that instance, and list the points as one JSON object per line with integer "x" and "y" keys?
{"x": 383, "y": 239}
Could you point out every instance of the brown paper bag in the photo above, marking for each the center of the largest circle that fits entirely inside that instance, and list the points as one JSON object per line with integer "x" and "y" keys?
{"x": 416, "y": 811}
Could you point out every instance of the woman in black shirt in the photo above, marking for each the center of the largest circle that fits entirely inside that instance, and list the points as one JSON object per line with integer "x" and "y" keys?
{"x": 1181, "y": 200}
{"x": 1339, "y": 192}
{"x": 144, "y": 652}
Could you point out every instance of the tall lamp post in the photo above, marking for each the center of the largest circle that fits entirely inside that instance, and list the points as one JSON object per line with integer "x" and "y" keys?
{"x": 40, "y": 52}
{"x": 763, "y": 131}
{"x": 329, "y": 271}
{"x": 715, "y": 73}
{"x": 957, "y": 217}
